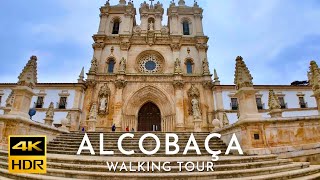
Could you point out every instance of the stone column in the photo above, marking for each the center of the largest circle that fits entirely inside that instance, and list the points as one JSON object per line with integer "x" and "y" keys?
{"x": 144, "y": 23}
{"x": 103, "y": 21}
{"x": 21, "y": 105}
{"x": 157, "y": 25}
{"x": 247, "y": 104}
{"x": 120, "y": 83}
{"x": 178, "y": 86}
{"x": 199, "y": 29}
{"x": 219, "y": 102}
{"x": 209, "y": 98}
{"x": 174, "y": 24}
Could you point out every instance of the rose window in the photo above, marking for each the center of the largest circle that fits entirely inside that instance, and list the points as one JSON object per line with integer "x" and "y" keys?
{"x": 150, "y": 63}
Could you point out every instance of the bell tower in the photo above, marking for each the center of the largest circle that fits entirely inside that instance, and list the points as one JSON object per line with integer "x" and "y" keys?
{"x": 151, "y": 17}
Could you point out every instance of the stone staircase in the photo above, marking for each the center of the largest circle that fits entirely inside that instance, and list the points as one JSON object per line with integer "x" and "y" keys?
{"x": 63, "y": 163}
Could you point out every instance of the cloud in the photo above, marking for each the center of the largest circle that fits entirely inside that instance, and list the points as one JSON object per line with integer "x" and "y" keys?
{"x": 277, "y": 39}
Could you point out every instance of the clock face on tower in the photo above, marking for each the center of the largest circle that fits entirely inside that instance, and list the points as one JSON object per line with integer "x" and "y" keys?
{"x": 150, "y": 63}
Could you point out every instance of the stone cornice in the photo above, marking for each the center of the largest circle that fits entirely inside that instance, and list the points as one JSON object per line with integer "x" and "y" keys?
{"x": 264, "y": 87}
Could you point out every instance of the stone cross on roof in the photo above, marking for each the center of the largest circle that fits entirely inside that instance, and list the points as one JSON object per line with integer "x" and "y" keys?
{"x": 151, "y": 1}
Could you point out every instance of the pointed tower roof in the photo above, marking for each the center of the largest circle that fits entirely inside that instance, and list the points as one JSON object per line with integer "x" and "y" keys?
{"x": 28, "y": 76}
{"x": 242, "y": 76}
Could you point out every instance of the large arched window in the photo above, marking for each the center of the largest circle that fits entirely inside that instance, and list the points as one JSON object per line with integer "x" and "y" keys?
{"x": 189, "y": 64}
{"x": 111, "y": 63}
{"x": 186, "y": 28}
{"x": 116, "y": 26}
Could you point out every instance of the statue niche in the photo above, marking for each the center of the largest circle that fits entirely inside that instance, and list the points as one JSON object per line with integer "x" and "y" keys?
{"x": 194, "y": 107}
{"x": 103, "y": 100}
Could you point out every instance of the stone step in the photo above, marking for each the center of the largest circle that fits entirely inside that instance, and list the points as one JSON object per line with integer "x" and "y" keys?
{"x": 4, "y": 173}
{"x": 174, "y": 167}
{"x": 137, "y": 154}
{"x": 100, "y": 160}
{"x": 202, "y": 140}
{"x": 199, "y": 175}
{"x": 310, "y": 173}
{"x": 131, "y": 146}
{"x": 115, "y": 143}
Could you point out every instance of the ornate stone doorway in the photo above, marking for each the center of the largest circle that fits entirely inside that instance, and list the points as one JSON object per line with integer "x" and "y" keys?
{"x": 149, "y": 118}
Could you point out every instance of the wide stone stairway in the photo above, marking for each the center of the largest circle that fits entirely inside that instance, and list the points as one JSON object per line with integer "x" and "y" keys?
{"x": 63, "y": 163}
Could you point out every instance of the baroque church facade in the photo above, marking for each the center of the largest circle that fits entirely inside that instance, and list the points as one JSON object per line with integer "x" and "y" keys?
{"x": 151, "y": 77}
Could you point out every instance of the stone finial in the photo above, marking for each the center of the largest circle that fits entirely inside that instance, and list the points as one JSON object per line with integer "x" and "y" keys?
{"x": 205, "y": 66}
{"x": 94, "y": 66}
{"x": 195, "y": 4}
{"x": 242, "y": 75}
{"x": 274, "y": 105}
{"x": 10, "y": 99}
{"x": 81, "y": 76}
{"x": 216, "y": 77}
{"x": 49, "y": 115}
{"x": 314, "y": 77}
{"x": 273, "y": 102}
{"x": 182, "y": 3}
{"x": 122, "y": 2}
{"x": 50, "y": 111}
{"x": 28, "y": 76}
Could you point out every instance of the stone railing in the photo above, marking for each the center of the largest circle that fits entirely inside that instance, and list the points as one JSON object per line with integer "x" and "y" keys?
{"x": 276, "y": 135}
{"x": 17, "y": 125}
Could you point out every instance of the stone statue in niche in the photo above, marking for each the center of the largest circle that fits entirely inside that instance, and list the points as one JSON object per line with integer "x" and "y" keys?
{"x": 151, "y": 26}
{"x": 104, "y": 95}
{"x": 177, "y": 66}
{"x": 122, "y": 65}
{"x": 205, "y": 66}
{"x": 195, "y": 108}
{"x": 93, "y": 112}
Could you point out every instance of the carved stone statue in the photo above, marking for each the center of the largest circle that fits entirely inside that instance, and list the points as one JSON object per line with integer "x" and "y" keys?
{"x": 177, "y": 66}
{"x": 122, "y": 65}
{"x": 104, "y": 95}
{"x": 243, "y": 77}
{"x": 93, "y": 112}
{"x": 94, "y": 65}
{"x": 205, "y": 66}
{"x": 92, "y": 121}
{"x": 151, "y": 26}
{"x": 195, "y": 109}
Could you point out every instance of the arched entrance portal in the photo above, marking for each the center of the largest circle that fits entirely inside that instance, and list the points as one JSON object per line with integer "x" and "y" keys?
{"x": 149, "y": 118}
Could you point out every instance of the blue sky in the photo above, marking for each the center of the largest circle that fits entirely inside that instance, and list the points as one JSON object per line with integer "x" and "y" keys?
{"x": 277, "y": 39}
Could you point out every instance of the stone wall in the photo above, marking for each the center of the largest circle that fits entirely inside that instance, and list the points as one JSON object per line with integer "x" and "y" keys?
{"x": 15, "y": 125}
{"x": 290, "y": 137}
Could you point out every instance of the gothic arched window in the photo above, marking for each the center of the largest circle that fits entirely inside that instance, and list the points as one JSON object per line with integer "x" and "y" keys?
{"x": 186, "y": 28}
{"x": 116, "y": 26}
{"x": 111, "y": 63}
{"x": 189, "y": 66}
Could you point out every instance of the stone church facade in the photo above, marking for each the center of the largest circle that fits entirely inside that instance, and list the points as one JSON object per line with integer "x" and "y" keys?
{"x": 151, "y": 77}
{"x": 146, "y": 76}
